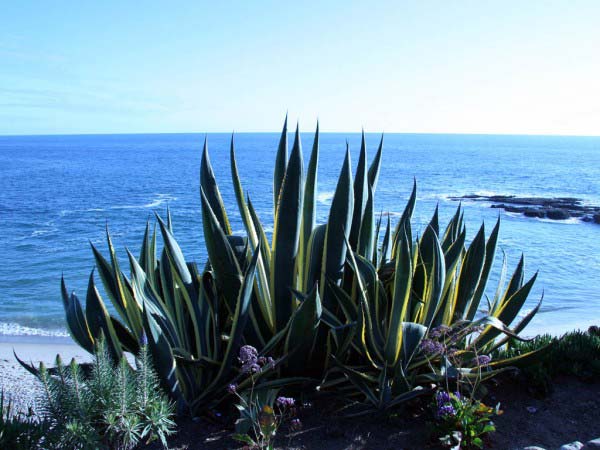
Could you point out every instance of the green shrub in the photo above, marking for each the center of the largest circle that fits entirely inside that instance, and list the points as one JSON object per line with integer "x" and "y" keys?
{"x": 103, "y": 404}
{"x": 576, "y": 353}
{"x": 331, "y": 301}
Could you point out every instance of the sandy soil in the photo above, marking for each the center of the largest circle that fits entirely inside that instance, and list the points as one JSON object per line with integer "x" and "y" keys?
{"x": 570, "y": 413}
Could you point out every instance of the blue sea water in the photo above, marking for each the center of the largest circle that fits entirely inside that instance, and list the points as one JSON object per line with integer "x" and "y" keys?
{"x": 57, "y": 194}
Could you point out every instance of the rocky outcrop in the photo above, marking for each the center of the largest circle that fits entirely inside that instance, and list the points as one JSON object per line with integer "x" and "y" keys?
{"x": 554, "y": 208}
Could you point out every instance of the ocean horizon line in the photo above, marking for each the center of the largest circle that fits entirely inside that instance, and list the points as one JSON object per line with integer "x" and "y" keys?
{"x": 291, "y": 131}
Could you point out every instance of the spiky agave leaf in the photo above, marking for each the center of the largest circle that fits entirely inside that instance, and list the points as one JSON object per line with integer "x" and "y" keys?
{"x": 286, "y": 235}
{"x": 336, "y": 232}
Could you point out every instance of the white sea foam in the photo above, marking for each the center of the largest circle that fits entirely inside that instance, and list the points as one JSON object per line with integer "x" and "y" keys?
{"x": 64, "y": 212}
{"x": 486, "y": 193}
{"x": 14, "y": 329}
{"x": 325, "y": 197}
{"x": 156, "y": 202}
{"x": 37, "y": 233}
{"x": 435, "y": 196}
{"x": 570, "y": 221}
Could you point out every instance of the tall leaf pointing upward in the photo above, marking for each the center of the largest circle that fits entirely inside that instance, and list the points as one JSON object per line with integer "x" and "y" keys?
{"x": 337, "y": 231}
{"x": 375, "y": 166}
{"x": 285, "y": 237}
{"x": 208, "y": 184}
{"x": 360, "y": 193}
{"x": 310, "y": 210}
{"x": 400, "y": 298}
{"x": 280, "y": 165}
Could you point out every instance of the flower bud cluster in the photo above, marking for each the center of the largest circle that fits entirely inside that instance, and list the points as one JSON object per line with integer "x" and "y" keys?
{"x": 251, "y": 362}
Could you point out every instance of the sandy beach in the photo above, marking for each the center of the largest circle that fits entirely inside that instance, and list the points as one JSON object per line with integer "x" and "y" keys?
{"x": 15, "y": 380}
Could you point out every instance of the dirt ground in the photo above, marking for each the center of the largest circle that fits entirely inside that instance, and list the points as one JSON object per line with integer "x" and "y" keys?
{"x": 571, "y": 412}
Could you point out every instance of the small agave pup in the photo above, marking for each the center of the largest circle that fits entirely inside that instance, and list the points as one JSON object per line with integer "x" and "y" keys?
{"x": 329, "y": 301}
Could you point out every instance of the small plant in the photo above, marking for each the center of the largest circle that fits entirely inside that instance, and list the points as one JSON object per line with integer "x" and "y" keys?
{"x": 262, "y": 412}
{"x": 104, "y": 404}
{"x": 462, "y": 422}
{"x": 19, "y": 430}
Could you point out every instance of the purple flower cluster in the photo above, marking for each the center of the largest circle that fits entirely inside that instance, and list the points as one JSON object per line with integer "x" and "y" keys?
{"x": 295, "y": 424}
{"x": 446, "y": 411}
{"x": 285, "y": 402}
{"x": 250, "y": 361}
{"x": 232, "y": 388}
{"x": 442, "y": 397}
{"x": 431, "y": 347}
{"x": 445, "y": 408}
{"x": 482, "y": 360}
{"x": 143, "y": 339}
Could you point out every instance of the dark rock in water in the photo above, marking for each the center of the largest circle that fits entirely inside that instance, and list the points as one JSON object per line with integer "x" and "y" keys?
{"x": 558, "y": 214}
{"x": 555, "y": 208}
{"x": 533, "y": 212}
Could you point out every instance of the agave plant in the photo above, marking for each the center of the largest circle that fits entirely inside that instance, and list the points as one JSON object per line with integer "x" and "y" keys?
{"x": 419, "y": 286}
{"x": 379, "y": 303}
{"x": 330, "y": 300}
{"x": 297, "y": 272}
{"x": 176, "y": 309}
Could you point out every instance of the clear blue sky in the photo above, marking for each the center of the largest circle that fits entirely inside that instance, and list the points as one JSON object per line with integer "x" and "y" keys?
{"x": 194, "y": 66}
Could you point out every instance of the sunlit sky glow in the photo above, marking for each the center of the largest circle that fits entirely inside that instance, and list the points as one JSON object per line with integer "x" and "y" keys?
{"x": 518, "y": 67}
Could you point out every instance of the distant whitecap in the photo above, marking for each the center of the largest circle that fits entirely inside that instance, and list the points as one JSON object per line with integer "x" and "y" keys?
{"x": 325, "y": 197}
{"x": 155, "y": 203}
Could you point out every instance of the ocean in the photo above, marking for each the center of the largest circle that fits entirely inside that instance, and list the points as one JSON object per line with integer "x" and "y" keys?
{"x": 57, "y": 194}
